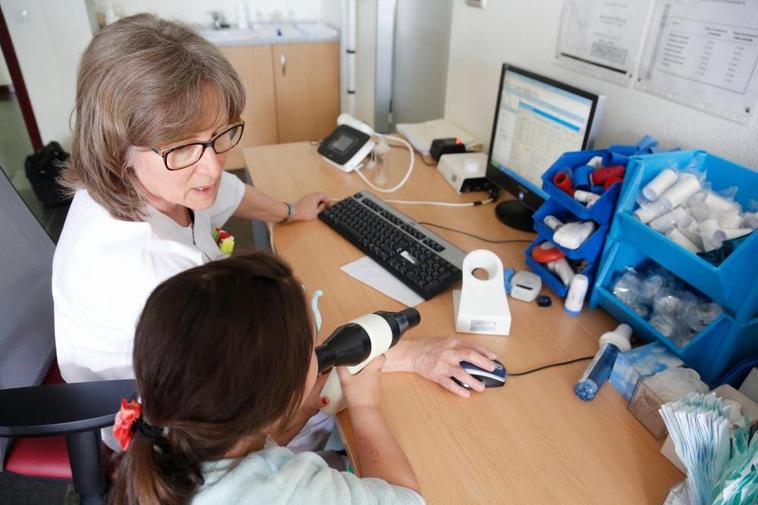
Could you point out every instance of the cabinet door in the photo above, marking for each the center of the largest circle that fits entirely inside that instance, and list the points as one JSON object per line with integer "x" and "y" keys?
{"x": 307, "y": 90}
{"x": 254, "y": 66}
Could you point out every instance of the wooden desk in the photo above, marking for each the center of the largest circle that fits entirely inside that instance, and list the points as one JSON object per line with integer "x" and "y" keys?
{"x": 530, "y": 442}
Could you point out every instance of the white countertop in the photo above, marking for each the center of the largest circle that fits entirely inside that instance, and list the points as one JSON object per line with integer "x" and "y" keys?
{"x": 272, "y": 33}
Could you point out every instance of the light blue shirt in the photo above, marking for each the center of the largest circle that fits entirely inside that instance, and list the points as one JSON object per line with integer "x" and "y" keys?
{"x": 278, "y": 476}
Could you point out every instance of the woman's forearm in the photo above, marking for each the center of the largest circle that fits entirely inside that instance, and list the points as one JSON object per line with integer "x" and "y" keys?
{"x": 258, "y": 205}
{"x": 377, "y": 453}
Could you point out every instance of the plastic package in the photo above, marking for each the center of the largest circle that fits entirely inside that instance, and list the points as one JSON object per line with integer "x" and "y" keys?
{"x": 663, "y": 387}
{"x": 667, "y": 221}
{"x": 693, "y": 216}
{"x": 670, "y": 306}
{"x": 647, "y": 213}
{"x": 685, "y": 187}
{"x": 660, "y": 184}
{"x": 677, "y": 236}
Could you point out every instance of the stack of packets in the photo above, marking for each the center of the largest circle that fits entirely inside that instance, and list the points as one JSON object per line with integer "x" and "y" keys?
{"x": 713, "y": 441}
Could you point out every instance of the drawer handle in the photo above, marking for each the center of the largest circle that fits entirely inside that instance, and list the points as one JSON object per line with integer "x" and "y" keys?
{"x": 283, "y": 62}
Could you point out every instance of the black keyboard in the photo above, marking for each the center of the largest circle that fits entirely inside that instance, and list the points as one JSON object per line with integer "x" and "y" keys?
{"x": 423, "y": 261}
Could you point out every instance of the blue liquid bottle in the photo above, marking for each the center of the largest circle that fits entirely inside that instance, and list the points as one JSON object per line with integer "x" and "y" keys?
{"x": 599, "y": 369}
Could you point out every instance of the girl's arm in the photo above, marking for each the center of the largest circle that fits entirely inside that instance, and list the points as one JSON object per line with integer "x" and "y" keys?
{"x": 377, "y": 453}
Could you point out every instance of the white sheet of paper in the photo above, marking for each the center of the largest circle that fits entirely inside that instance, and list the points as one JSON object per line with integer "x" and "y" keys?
{"x": 370, "y": 272}
{"x": 703, "y": 53}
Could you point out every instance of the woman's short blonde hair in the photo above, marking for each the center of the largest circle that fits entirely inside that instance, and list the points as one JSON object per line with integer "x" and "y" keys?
{"x": 143, "y": 81}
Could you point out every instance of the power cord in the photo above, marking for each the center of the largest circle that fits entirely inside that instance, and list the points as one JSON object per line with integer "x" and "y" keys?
{"x": 407, "y": 173}
{"x": 484, "y": 239}
{"x": 526, "y": 372}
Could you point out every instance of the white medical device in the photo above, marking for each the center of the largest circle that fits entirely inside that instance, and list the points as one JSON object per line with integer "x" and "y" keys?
{"x": 353, "y": 140}
{"x": 348, "y": 145}
{"x": 525, "y": 286}
{"x": 464, "y": 171}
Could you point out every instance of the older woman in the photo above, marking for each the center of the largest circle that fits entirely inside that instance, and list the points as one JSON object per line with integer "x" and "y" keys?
{"x": 157, "y": 110}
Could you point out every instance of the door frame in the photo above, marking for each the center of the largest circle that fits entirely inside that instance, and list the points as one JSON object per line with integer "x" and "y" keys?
{"x": 17, "y": 78}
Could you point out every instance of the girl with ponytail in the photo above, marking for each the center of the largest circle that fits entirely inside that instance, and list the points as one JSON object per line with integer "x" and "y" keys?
{"x": 224, "y": 357}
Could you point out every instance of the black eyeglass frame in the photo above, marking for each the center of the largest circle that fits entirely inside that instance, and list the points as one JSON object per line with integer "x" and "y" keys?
{"x": 211, "y": 143}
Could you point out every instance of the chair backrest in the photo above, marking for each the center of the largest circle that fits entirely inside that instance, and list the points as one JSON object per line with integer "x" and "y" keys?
{"x": 27, "y": 338}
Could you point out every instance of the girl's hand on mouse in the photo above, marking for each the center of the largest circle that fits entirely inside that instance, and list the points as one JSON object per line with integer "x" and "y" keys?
{"x": 308, "y": 207}
{"x": 362, "y": 389}
{"x": 439, "y": 359}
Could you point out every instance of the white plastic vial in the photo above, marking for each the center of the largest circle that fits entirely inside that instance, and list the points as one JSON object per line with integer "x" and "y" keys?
{"x": 663, "y": 181}
{"x": 576, "y": 293}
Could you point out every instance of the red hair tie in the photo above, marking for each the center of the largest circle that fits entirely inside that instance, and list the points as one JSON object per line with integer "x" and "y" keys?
{"x": 125, "y": 419}
{"x": 128, "y": 420}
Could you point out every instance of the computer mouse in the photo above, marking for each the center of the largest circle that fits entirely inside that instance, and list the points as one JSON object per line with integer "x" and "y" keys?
{"x": 493, "y": 379}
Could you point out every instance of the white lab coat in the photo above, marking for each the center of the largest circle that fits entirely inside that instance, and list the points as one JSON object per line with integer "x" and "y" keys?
{"x": 104, "y": 269}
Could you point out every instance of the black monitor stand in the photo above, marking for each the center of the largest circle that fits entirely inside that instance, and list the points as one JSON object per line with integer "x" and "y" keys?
{"x": 515, "y": 214}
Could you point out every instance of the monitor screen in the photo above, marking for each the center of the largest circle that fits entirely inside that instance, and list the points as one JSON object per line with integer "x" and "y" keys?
{"x": 536, "y": 120}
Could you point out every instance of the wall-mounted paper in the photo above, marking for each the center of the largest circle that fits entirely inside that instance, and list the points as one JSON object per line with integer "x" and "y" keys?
{"x": 704, "y": 53}
{"x": 603, "y": 38}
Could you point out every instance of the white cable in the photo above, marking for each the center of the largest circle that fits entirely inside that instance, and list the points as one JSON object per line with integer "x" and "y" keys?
{"x": 407, "y": 174}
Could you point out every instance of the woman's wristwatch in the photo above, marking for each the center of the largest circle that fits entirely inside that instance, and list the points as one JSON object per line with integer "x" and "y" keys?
{"x": 290, "y": 212}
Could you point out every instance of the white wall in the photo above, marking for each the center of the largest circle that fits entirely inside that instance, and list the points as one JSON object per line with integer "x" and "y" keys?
{"x": 523, "y": 32}
{"x": 49, "y": 37}
{"x": 197, "y": 11}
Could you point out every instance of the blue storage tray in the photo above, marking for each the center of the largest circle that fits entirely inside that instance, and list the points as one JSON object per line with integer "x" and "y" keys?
{"x": 602, "y": 211}
{"x": 591, "y": 247}
{"x": 616, "y": 154}
{"x": 712, "y": 351}
{"x": 734, "y": 283}
{"x": 548, "y": 277}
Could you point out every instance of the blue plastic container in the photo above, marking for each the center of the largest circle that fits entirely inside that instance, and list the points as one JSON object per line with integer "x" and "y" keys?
{"x": 602, "y": 211}
{"x": 588, "y": 250}
{"x": 548, "y": 277}
{"x": 711, "y": 352}
{"x": 734, "y": 283}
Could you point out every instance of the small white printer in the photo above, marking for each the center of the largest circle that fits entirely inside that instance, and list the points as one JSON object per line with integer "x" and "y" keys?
{"x": 465, "y": 172}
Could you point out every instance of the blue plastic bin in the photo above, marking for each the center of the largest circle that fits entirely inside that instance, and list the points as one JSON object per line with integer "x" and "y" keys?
{"x": 617, "y": 154}
{"x": 712, "y": 351}
{"x": 734, "y": 283}
{"x": 548, "y": 277}
{"x": 588, "y": 250}
{"x": 603, "y": 209}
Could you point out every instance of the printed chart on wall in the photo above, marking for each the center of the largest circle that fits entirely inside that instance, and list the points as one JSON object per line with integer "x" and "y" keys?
{"x": 603, "y": 37}
{"x": 704, "y": 53}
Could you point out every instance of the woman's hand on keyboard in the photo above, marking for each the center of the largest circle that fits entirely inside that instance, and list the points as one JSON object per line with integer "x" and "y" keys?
{"x": 308, "y": 207}
{"x": 439, "y": 359}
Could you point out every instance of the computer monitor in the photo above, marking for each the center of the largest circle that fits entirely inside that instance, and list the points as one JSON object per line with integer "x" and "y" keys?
{"x": 536, "y": 120}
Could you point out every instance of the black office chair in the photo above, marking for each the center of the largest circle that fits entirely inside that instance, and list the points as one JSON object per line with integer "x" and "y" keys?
{"x": 27, "y": 355}
{"x": 77, "y": 411}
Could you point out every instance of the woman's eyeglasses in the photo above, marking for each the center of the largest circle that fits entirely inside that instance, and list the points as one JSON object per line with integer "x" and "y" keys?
{"x": 177, "y": 158}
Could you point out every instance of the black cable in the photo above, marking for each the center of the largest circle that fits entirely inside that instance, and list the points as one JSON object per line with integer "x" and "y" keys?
{"x": 491, "y": 241}
{"x": 550, "y": 366}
